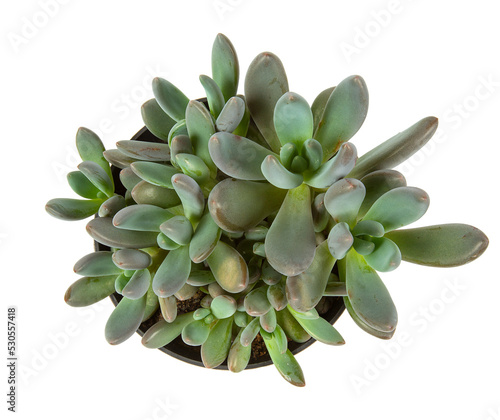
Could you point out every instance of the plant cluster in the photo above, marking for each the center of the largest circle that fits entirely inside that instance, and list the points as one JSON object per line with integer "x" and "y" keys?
{"x": 259, "y": 202}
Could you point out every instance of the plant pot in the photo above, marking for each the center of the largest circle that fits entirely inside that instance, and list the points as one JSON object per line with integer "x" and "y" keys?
{"x": 333, "y": 308}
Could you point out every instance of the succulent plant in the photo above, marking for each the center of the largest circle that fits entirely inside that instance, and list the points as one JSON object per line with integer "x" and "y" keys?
{"x": 256, "y": 209}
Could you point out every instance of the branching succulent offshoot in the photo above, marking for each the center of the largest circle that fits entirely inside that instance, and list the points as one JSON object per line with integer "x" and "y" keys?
{"x": 259, "y": 202}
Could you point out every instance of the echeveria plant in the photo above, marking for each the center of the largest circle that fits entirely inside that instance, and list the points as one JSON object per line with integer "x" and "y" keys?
{"x": 257, "y": 205}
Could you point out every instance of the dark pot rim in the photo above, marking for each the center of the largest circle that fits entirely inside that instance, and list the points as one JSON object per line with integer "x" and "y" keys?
{"x": 189, "y": 354}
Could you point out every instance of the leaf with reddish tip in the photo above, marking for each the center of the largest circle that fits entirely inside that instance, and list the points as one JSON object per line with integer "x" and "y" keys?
{"x": 98, "y": 176}
{"x": 320, "y": 330}
{"x": 118, "y": 159}
{"x": 195, "y": 333}
{"x": 268, "y": 321}
{"x": 237, "y": 206}
{"x": 72, "y": 209}
{"x": 365, "y": 327}
{"x": 141, "y": 217}
{"x": 146, "y": 193}
{"x": 102, "y": 230}
{"x": 343, "y": 200}
{"x": 170, "y": 98}
{"x": 231, "y": 115}
{"x": 216, "y": 348}
{"x": 89, "y": 290}
{"x": 163, "y": 333}
{"x": 168, "y": 307}
{"x": 368, "y": 295}
{"x": 204, "y": 240}
{"x": 138, "y": 285}
{"x": 293, "y": 119}
{"x": 156, "y": 120}
{"x": 193, "y": 201}
{"x": 291, "y": 243}
{"x": 179, "y": 229}
{"x": 112, "y": 206}
{"x": 131, "y": 259}
{"x": 80, "y": 184}
{"x": 340, "y": 240}
{"x": 274, "y": 171}
{"x": 265, "y": 83}
{"x": 225, "y": 66}
{"x": 305, "y": 290}
{"x": 237, "y": 156}
{"x": 343, "y": 115}
{"x": 125, "y": 320}
{"x": 386, "y": 255}
{"x": 229, "y": 268}
{"x": 90, "y": 148}
{"x": 447, "y": 245}
{"x": 144, "y": 150}
{"x": 99, "y": 263}
{"x": 172, "y": 273}
{"x": 397, "y": 149}
{"x": 239, "y": 355}
{"x": 155, "y": 173}
{"x": 399, "y": 207}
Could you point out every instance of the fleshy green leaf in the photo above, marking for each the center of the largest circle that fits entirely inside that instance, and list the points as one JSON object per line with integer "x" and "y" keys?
{"x": 231, "y": 115}
{"x": 291, "y": 327}
{"x": 237, "y": 206}
{"x": 72, "y": 209}
{"x": 265, "y": 83}
{"x": 97, "y": 176}
{"x": 369, "y": 227}
{"x": 90, "y": 147}
{"x": 256, "y": 302}
{"x": 313, "y": 153}
{"x": 215, "y": 98}
{"x": 320, "y": 330}
{"x": 305, "y": 290}
{"x": 138, "y": 285}
{"x": 318, "y": 106}
{"x": 89, "y": 290}
{"x": 293, "y": 119}
{"x": 112, "y": 206}
{"x": 237, "y": 156}
{"x": 179, "y": 229}
{"x": 320, "y": 215}
{"x": 344, "y": 114}
{"x": 399, "y": 207}
{"x": 168, "y": 307}
{"x": 193, "y": 166}
{"x": 225, "y": 66}
{"x": 204, "y": 240}
{"x": 128, "y": 178}
{"x": 223, "y": 306}
{"x": 340, "y": 240}
{"x": 102, "y": 230}
{"x": 447, "y": 245}
{"x": 170, "y": 98}
{"x": 290, "y": 242}
{"x": 144, "y": 150}
{"x": 164, "y": 242}
{"x": 156, "y": 120}
{"x": 125, "y": 320}
{"x": 239, "y": 355}
{"x": 250, "y": 332}
{"x": 386, "y": 255}
{"x": 278, "y": 175}
{"x": 155, "y": 173}
{"x": 368, "y": 295}
{"x": 141, "y": 217}
{"x": 172, "y": 273}
{"x": 180, "y": 144}
{"x": 99, "y": 263}
{"x": 229, "y": 268}
{"x": 146, "y": 193}
{"x": 80, "y": 184}
{"x": 118, "y": 159}
{"x": 131, "y": 259}
{"x": 397, "y": 149}
{"x": 372, "y": 331}
{"x": 163, "y": 333}
{"x": 268, "y": 321}
{"x": 191, "y": 196}
{"x": 276, "y": 295}
{"x": 343, "y": 200}
{"x": 216, "y": 348}
{"x": 195, "y": 333}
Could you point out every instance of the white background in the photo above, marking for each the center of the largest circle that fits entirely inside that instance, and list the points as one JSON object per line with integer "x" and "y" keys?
{"x": 90, "y": 63}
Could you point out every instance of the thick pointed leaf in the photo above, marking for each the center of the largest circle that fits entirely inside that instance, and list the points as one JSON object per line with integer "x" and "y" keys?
{"x": 365, "y": 327}
{"x": 305, "y": 290}
{"x": 215, "y": 98}
{"x": 320, "y": 330}
{"x": 231, "y": 115}
{"x": 102, "y": 230}
{"x": 250, "y": 332}
{"x": 193, "y": 166}
{"x": 239, "y": 355}
{"x": 268, "y": 321}
{"x": 229, "y": 268}
{"x": 138, "y": 285}
{"x": 72, "y": 209}
{"x": 290, "y": 242}
{"x": 191, "y": 196}
{"x": 155, "y": 173}
{"x": 200, "y": 127}
{"x": 397, "y": 149}
{"x": 343, "y": 200}
{"x": 216, "y": 348}
{"x": 276, "y": 295}
{"x": 399, "y": 207}
{"x": 368, "y": 295}
{"x": 179, "y": 229}
{"x": 124, "y": 320}
{"x": 141, "y": 217}
{"x": 97, "y": 176}
{"x": 340, "y": 240}
{"x": 447, "y": 245}
{"x": 112, "y": 206}
{"x": 344, "y": 114}
{"x": 237, "y": 206}
{"x": 293, "y": 119}
{"x": 131, "y": 259}
{"x": 168, "y": 307}
{"x": 318, "y": 106}
{"x": 278, "y": 175}
{"x": 170, "y": 98}
{"x": 118, "y": 159}
{"x": 336, "y": 168}
{"x": 146, "y": 193}
{"x": 204, "y": 240}
{"x": 291, "y": 327}
{"x": 286, "y": 363}
{"x": 377, "y": 184}
{"x": 386, "y": 255}
{"x": 156, "y": 120}
{"x": 90, "y": 147}
{"x": 89, "y": 290}
{"x": 237, "y": 156}
{"x": 80, "y": 184}
{"x": 144, "y": 150}
{"x": 195, "y": 333}
{"x": 265, "y": 83}
{"x": 172, "y": 273}
{"x": 225, "y": 66}
{"x": 98, "y": 263}
{"x": 163, "y": 333}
